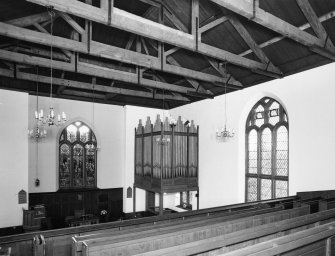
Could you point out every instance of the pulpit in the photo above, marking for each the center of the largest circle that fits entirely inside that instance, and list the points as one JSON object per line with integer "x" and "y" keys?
{"x": 166, "y": 158}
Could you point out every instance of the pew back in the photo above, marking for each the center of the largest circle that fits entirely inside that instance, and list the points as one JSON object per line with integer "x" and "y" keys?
{"x": 246, "y": 237}
{"x": 168, "y": 237}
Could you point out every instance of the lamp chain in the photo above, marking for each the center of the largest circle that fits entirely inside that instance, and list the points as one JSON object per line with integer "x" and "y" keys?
{"x": 93, "y": 101}
{"x": 37, "y": 85}
{"x": 225, "y": 95}
{"x": 37, "y": 120}
{"x": 52, "y": 15}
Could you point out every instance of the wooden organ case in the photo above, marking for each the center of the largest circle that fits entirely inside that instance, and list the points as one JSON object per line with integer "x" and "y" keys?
{"x": 166, "y": 159}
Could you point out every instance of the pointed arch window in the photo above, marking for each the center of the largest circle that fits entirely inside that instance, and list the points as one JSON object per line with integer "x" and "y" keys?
{"x": 77, "y": 157}
{"x": 266, "y": 151}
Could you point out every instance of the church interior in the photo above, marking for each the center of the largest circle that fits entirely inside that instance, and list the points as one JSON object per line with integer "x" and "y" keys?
{"x": 167, "y": 127}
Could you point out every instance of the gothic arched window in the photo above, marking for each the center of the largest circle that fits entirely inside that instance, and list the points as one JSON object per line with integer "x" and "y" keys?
{"x": 266, "y": 151}
{"x": 77, "y": 157}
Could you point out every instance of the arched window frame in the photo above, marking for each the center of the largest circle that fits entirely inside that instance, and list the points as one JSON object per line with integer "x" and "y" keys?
{"x": 266, "y": 103}
{"x": 63, "y": 140}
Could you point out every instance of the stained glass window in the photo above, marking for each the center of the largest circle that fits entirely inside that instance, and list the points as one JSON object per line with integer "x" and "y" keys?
{"x": 266, "y": 151}
{"x": 77, "y": 157}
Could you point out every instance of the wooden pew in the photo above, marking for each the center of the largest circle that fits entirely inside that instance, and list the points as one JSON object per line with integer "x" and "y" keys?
{"x": 200, "y": 220}
{"x": 59, "y": 241}
{"x": 163, "y": 226}
{"x": 313, "y": 241}
{"x": 231, "y": 241}
{"x": 326, "y": 204}
{"x": 312, "y": 202}
{"x": 157, "y": 239}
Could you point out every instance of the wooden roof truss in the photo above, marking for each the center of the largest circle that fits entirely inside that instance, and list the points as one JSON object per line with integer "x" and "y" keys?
{"x": 146, "y": 34}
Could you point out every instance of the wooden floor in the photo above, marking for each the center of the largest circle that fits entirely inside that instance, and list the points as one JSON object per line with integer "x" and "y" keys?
{"x": 288, "y": 226}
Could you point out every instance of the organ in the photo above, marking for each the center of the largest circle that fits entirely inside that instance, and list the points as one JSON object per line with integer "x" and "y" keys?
{"x": 166, "y": 159}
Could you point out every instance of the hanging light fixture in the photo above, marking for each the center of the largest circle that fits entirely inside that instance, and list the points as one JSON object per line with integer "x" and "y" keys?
{"x": 51, "y": 119}
{"x": 225, "y": 133}
{"x": 37, "y": 132}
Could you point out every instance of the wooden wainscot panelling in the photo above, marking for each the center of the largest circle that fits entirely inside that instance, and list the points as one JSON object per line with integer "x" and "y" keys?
{"x": 62, "y": 205}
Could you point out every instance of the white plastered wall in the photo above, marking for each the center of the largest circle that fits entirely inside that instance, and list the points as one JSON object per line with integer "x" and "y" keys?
{"x": 13, "y": 156}
{"x": 309, "y": 99}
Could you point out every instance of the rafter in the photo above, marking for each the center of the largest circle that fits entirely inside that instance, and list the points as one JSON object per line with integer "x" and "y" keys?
{"x": 72, "y": 22}
{"x": 43, "y": 30}
{"x": 29, "y": 20}
{"x": 151, "y": 2}
{"x": 252, "y": 43}
{"x": 229, "y": 78}
{"x": 135, "y": 24}
{"x": 172, "y": 51}
{"x": 234, "y": 83}
{"x": 322, "y": 18}
{"x": 213, "y": 24}
{"x": 92, "y": 70}
{"x": 313, "y": 20}
{"x": 256, "y": 14}
{"x": 163, "y": 54}
{"x": 176, "y": 22}
{"x": 144, "y": 46}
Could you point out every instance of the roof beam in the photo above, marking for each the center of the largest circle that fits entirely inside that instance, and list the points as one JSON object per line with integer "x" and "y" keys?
{"x": 30, "y": 20}
{"x": 43, "y": 30}
{"x": 87, "y": 86}
{"x": 212, "y": 24}
{"x": 38, "y": 51}
{"x": 83, "y": 94}
{"x": 248, "y": 10}
{"x": 180, "y": 25}
{"x": 322, "y": 18}
{"x": 151, "y": 2}
{"x": 92, "y": 70}
{"x": 101, "y": 50}
{"x": 313, "y": 20}
{"x": 231, "y": 81}
{"x": 176, "y": 22}
{"x": 252, "y": 43}
{"x": 72, "y": 22}
{"x": 144, "y": 27}
{"x": 171, "y": 60}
